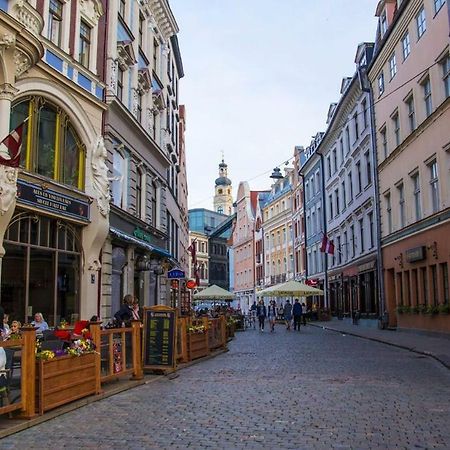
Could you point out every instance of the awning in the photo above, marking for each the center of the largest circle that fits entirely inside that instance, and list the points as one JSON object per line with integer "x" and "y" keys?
{"x": 146, "y": 245}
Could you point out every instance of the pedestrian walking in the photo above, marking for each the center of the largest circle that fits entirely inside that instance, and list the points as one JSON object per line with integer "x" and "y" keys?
{"x": 272, "y": 315}
{"x": 287, "y": 312}
{"x": 297, "y": 313}
{"x": 261, "y": 312}
{"x": 304, "y": 313}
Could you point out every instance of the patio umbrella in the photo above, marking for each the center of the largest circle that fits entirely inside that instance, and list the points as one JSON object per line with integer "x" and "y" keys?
{"x": 290, "y": 289}
{"x": 213, "y": 292}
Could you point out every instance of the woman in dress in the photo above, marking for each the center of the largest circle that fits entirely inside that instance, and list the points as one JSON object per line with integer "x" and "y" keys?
{"x": 272, "y": 315}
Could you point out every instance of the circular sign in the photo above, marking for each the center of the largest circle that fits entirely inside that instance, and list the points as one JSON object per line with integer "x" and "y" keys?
{"x": 191, "y": 284}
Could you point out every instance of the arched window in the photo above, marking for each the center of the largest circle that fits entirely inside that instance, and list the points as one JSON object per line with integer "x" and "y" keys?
{"x": 219, "y": 191}
{"x": 220, "y": 209}
{"x": 51, "y": 146}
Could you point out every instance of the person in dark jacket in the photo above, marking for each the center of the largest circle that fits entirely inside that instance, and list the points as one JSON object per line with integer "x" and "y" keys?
{"x": 297, "y": 313}
{"x": 261, "y": 312}
{"x": 125, "y": 313}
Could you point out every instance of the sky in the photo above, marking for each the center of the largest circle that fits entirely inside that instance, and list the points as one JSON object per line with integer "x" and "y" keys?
{"x": 259, "y": 78}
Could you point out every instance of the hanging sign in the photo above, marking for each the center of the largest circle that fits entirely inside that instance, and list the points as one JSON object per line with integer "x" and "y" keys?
{"x": 175, "y": 274}
{"x": 159, "y": 337}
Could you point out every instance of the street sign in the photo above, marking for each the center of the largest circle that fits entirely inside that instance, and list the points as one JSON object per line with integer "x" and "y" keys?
{"x": 191, "y": 284}
{"x": 175, "y": 274}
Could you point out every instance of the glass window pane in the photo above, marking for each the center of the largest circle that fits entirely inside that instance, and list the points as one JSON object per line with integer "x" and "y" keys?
{"x": 46, "y": 141}
{"x": 19, "y": 113}
{"x": 67, "y": 287}
{"x": 70, "y": 168}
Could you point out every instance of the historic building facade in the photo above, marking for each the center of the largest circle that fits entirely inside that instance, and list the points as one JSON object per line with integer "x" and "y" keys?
{"x": 54, "y": 231}
{"x": 142, "y": 72}
{"x": 349, "y": 198}
{"x": 410, "y": 81}
{"x": 278, "y": 233}
{"x": 311, "y": 173}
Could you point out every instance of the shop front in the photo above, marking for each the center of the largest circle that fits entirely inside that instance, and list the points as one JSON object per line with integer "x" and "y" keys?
{"x": 43, "y": 264}
{"x": 137, "y": 261}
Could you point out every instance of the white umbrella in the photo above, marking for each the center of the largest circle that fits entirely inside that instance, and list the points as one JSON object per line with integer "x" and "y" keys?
{"x": 213, "y": 292}
{"x": 288, "y": 289}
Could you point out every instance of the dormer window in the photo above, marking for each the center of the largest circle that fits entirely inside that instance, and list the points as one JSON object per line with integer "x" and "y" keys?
{"x": 383, "y": 23}
{"x": 55, "y": 21}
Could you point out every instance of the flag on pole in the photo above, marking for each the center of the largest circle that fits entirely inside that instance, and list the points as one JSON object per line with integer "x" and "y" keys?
{"x": 11, "y": 146}
{"x": 327, "y": 245}
{"x": 192, "y": 249}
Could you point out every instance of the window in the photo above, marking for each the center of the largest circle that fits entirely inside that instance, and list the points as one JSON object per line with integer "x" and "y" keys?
{"x": 347, "y": 138}
{"x": 141, "y": 29}
{"x": 421, "y": 23}
{"x": 51, "y": 146}
{"x": 387, "y": 201}
{"x": 313, "y": 223}
{"x": 119, "y": 180}
{"x": 85, "y": 44}
{"x": 416, "y": 193}
{"x": 328, "y": 166}
{"x": 361, "y": 235}
{"x": 411, "y": 114}
{"x": 371, "y": 238}
{"x": 392, "y": 66}
{"x": 336, "y": 196}
{"x": 341, "y": 148}
{"x": 368, "y": 168}
{"x": 406, "y": 46}
{"x": 155, "y": 55}
{"x": 338, "y": 249}
{"x": 350, "y": 185}
{"x": 120, "y": 74}
{"x": 358, "y": 175}
{"x": 381, "y": 83}
{"x": 355, "y": 120}
{"x": 446, "y": 75}
{"x": 364, "y": 112}
{"x": 330, "y": 202}
{"x": 434, "y": 284}
{"x": 434, "y": 186}
{"x": 401, "y": 204}
{"x": 55, "y": 21}
{"x": 344, "y": 196}
{"x": 140, "y": 198}
{"x": 384, "y": 141}
{"x": 396, "y": 126}
{"x": 383, "y": 23}
{"x": 139, "y": 106}
{"x": 335, "y": 163}
{"x": 317, "y": 182}
{"x": 423, "y": 271}
{"x": 352, "y": 239}
{"x": 427, "y": 97}
{"x": 345, "y": 249}
{"x": 438, "y": 5}
{"x": 122, "y": 8}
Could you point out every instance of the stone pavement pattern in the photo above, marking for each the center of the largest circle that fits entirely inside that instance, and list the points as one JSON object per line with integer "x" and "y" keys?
{"x": 315, "y": 389}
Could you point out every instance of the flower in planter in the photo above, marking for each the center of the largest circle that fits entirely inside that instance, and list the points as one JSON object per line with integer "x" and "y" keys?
{"x": 196, "y": 329}
{"x": 444, "y": 308}
{"x": 432, "y": 309}
{"x": 80, "y": 347}
{"x": 45, "y": 355}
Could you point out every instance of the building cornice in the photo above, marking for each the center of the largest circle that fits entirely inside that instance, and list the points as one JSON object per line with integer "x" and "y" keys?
{"x": 165, "y": 20}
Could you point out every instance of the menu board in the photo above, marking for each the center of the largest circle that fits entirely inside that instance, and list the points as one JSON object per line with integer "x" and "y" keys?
{"x": 159, "y": 337}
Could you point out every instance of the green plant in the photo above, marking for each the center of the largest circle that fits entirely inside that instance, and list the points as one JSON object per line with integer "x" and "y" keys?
{"x": 415, "y": 309}
{"x": 432, "y": 309}
{"x": 403, "y": 309}
{"x": 421, "y": 309}
{"x": 444, "y": 308}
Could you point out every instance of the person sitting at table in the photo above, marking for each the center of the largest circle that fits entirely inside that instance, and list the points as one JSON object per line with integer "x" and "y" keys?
{"x": 39, "y": 323}
{"x": 125, "y": 313}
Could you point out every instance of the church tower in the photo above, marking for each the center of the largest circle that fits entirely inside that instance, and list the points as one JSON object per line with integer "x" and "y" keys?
{"x": 223, "y": 198}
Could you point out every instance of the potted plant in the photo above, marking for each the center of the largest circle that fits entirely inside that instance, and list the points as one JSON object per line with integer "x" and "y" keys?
{"x": 197, "y": 341}
{"x": 403, "y": 309}
{"x": 432, "y": 310}
{"x": 444, "y": 308}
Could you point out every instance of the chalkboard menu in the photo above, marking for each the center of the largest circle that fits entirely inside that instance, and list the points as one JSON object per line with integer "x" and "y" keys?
{"x": 159, "y": 337}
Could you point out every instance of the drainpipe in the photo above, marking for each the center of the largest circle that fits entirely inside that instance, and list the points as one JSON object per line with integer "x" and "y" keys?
{"x": 305, "y": 261}
{"x": 381, "y": 294}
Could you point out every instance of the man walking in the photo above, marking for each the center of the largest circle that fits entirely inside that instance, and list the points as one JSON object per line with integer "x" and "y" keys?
{"x": 297, "y": 313}
{"x": 261, "y": 312}
{"x": 288, "y": 314}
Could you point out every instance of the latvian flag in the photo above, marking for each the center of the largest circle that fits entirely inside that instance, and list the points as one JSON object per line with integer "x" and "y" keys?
{"x": 327, "y": 245}
{"x": 11, "y": 147}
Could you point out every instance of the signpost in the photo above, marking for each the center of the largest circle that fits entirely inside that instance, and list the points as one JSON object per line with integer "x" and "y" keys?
{"x": 159, "y": 338}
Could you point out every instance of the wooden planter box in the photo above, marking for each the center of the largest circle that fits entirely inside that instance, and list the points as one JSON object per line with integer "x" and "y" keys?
{"x": 64, "y": 379}
{"x": 230, "y": 330}
{"x": 197, "y": 345}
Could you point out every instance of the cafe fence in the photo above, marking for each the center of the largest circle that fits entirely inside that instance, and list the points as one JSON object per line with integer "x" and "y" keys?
{"x": 216, "y": 333}
{"x": 182, "y": 339}
{"x": 120, "y": 351}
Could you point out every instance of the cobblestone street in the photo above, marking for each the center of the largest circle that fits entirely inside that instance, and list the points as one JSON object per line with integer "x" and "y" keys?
{"x": 310, "y": 390}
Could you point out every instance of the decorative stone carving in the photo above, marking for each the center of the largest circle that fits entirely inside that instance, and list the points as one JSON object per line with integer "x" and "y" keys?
{"x": 150, "y": 120}
{"x": 91, "y": 10}
{"x": 134, "y": 105}
{"x": 7, "y": 92}
{"x": 7, "y": 40}
{"x": 28, "y": 16}
{"x": 8, "y": 187}
{"x": 94, "y": 265}
{"x": 100, "y": 176}
{"x": 22, "y": 62}
{"x": 113, "y": 75}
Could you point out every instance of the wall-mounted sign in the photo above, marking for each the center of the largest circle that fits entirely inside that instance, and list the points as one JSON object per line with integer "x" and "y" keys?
{"x": 415, "y": 254}
{"x": 52, "y": 201}
{"x": 175, "y": 274}
{"x": 159, "y": 337}
{"x": 143, "y": 236}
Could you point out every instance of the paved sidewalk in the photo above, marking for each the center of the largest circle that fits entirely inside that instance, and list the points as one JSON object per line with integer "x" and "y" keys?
{"x": 435, "y": 347}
